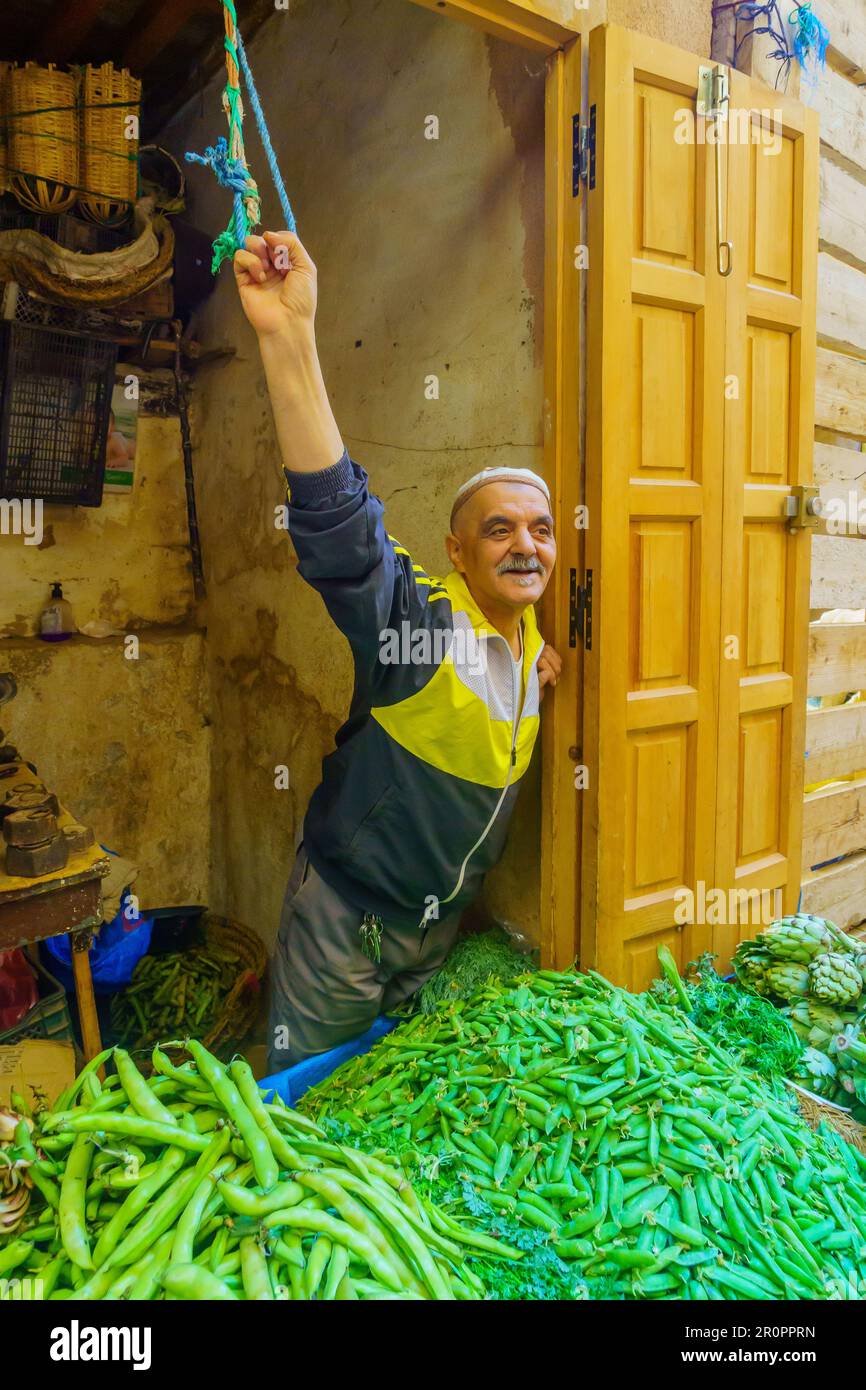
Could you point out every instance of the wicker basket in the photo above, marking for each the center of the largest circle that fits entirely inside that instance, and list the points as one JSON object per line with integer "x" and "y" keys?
{"x": 5, "y": 69}
{"x": 815, "y": 1111}
{"x": 241, "y": 1005}
{"x": 43, "y": 137}
{"x": 109, "y": 154}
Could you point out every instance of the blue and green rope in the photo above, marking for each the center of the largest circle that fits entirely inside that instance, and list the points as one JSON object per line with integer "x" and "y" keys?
{"x": 227, "y": 158}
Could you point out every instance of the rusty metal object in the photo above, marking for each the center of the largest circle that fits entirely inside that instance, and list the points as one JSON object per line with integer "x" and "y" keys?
{"x": 34, "y": 860}
{"x": 78, "y": 837}
{"x": 29, "y": 797}
{"x": 29, "y": 828}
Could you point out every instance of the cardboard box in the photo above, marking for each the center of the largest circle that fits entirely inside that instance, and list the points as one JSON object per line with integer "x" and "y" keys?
{"x": 47, "y": 1066}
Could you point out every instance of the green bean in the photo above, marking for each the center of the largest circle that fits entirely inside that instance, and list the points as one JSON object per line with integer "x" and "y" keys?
{"x": 365, "y": 1222}
{"x": 191, "y": 1217}
{"x": 138, "y": 1201}
{"x": 301, "y": 1218}
{"x": 140, "y": 1095}
{"x": 45, "y": 1184}
{"x": 229, "y": 1097}
{"x": 73, "y": 1228}
{"x": 71, "y": 1122}
{"x": 14, "y": 1254}
{"x": 247, "y": 1203}
{"x": 65, "y": 1099}
{"x": 254, "y": 1271}
{"x": 265, "y": 1116}
{"x": 166, "y": 1210}
{"x": 191, "y": 1282}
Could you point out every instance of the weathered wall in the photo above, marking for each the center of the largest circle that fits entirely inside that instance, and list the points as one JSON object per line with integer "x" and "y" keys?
{"x": 686, "y": 23}
{"x": 123, "y": 742}
{"x": 430, "y": 261}
{"x": 125, "y": 562}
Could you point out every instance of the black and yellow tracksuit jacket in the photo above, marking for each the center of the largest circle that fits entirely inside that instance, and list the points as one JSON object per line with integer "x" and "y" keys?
{"x": 415, "y": 801}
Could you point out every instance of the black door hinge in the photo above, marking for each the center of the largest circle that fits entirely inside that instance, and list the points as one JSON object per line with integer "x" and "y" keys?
{"x": 582, "y": 153}
{"x": 580, "y": 610}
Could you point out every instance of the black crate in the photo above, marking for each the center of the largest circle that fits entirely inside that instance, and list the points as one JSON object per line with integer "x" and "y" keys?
{"x": 55, "y": 402}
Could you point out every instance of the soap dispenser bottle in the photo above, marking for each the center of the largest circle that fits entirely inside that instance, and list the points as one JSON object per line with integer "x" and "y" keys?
{"x": 56, "y": 622}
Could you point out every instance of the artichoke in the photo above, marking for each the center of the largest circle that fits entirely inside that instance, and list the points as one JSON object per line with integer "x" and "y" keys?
{"x": 750, "y": 966}
{"x": 817, "y": 1072}
{"x": 786, "y": 979}
{"x": 848, "y": 1049}
{"x": 834, "y": 978}
{"x": 817, "y": 1024}
{"x": 797, "y": 938}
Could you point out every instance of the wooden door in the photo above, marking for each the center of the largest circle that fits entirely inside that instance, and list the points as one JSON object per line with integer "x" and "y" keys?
{"x": 655, "y": 369}
{"x": 769, "y": 428}
{"x": 667, "y": 713}
{"x": 560, "y": 732}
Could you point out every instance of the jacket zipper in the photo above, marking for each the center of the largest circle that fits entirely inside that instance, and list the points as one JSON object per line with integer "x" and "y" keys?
{"x": 516, "y": 677}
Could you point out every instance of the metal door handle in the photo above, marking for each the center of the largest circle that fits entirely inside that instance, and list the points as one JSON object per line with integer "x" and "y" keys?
{"x": 724, "y": 248}
{"x": 713, "y": 97}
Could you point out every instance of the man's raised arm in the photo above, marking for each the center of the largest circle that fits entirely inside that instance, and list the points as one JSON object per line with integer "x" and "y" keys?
{"x": 277, "y": 284}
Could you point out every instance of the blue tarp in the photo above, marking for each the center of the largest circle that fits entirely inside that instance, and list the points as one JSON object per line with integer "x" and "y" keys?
{"x": 291, "y": 1084}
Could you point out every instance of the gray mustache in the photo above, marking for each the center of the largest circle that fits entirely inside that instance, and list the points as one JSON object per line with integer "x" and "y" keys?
{"x": 520, "y": 564}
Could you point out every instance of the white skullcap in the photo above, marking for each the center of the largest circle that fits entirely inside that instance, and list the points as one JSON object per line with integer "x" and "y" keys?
{"x": 496, "y": 475}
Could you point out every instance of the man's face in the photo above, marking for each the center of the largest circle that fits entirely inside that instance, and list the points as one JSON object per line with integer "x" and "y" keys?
{"x": 503, "y": 544}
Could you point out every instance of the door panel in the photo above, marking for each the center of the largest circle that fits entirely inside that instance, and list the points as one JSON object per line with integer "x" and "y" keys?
{"x": 695, "y": 686}
{"x": 654, "y": 485}
{"x": 770, "y": 314}
{"x": 560, "y": 731}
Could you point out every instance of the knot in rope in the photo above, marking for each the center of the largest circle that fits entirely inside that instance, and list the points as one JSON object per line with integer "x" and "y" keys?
{"x": 226, "y": 158}
{"x": 231, "y": 173}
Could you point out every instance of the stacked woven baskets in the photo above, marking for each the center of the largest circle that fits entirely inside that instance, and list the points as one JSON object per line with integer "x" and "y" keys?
{"x": 70, "y": 137}
{"x": 4, "y": 161}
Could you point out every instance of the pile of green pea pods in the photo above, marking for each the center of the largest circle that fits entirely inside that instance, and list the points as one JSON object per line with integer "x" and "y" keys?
{"x": 641, "y": 1151}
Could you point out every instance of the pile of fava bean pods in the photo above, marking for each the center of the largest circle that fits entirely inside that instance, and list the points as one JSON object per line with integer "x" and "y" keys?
{"x": 612, "y": 1129}
{"x": 191, "y": 1185}
{"x": 180, "y": 992}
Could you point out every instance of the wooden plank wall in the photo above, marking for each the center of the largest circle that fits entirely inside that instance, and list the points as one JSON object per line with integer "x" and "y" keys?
{"x": 834, "y": 819}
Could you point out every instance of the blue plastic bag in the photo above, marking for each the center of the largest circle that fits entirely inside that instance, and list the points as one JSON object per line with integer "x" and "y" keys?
{"x": 115, "y": 952}
{"x": 291, "y": 1084}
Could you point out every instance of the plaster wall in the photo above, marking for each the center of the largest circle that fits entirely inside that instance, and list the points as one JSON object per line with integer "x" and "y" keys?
{"x": 124, "y": 742}
{"x": 125, "y": 745}
{"x": 430, "y": 264}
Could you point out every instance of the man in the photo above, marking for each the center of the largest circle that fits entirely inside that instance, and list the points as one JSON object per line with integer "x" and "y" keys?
{"x": 414, "y": 802}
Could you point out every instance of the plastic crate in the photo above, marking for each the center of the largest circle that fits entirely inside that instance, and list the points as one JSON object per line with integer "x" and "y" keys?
{"x": 50, "y": 1019}
{"x": 55, "y": 402}
{"x": 291, "y": 1084}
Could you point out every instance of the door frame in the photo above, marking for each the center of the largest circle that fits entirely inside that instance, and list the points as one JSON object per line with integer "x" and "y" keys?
{"x": 519, "y": 22}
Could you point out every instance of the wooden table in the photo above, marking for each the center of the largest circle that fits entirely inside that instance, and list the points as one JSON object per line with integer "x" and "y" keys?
{"x": 68, "y": 901}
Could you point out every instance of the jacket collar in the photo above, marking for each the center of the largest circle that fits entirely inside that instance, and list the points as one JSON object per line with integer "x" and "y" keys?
{"x": 462, "y": 601}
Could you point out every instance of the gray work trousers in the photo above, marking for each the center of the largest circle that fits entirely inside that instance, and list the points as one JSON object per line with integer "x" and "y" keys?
{"x": 324, "y": 990}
